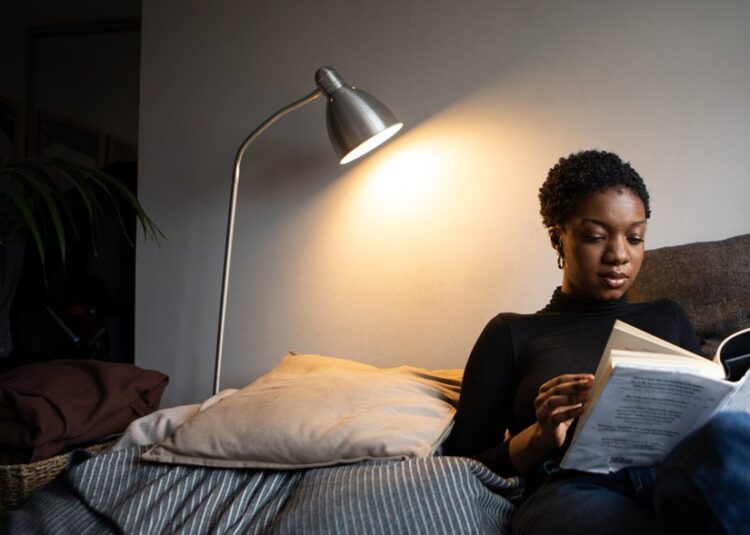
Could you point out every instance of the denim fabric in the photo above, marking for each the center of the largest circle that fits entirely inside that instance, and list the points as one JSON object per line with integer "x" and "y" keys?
{"x": 578, "y": 503}
{"x": 702, "y": 487}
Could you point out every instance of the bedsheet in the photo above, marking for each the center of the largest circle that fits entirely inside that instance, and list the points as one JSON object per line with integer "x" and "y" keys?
{"x": 116, "y": 492}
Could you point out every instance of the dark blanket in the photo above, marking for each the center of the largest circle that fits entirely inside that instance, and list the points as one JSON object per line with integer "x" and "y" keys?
{"x": 48, "y": 406}
{"x": 117, "y": 493}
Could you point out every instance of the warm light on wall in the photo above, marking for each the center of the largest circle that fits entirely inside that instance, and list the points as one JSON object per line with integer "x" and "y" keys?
{"x": 405, "y": 179}
{"x": 434, "y": 177}
{"x": 412, "y": 237}
{"x": 443, "y": 198}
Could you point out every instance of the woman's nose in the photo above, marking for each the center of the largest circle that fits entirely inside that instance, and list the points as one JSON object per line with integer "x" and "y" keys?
{"x": 617, "y": 252}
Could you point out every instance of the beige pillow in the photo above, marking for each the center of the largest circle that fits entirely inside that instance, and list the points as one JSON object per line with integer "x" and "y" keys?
{"x": 158, "y": 425}
{"x": 316, "y": 411}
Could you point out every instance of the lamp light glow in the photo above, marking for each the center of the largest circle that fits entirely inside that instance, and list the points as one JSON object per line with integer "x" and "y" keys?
{"x": 372, "y": 143}
{"x": 357, "y": 123}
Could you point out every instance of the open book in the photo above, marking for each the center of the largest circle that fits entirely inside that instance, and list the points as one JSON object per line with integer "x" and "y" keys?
{"x": 648, "y": 394}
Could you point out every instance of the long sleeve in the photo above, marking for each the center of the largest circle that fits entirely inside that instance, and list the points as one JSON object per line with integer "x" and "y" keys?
{"x": 485, "y": 404}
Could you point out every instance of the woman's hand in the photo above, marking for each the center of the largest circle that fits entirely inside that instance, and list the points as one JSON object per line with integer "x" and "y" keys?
{"x": 559, "y": 401}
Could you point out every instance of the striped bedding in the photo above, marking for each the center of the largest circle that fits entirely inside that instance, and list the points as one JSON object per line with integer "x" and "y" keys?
{"x": 118, "y": 493}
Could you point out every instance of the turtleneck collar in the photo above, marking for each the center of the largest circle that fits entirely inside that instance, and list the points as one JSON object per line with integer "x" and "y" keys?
{"x": 561, "y": 302}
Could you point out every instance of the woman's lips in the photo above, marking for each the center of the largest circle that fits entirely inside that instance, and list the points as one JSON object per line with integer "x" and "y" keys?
{"x": 614, "y": 279}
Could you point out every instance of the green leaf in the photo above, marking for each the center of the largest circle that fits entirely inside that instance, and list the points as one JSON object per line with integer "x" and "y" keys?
{"x": 33, "y": 193}
{"x": 94, "y": 207}
{"x": 96, "y": 178}
{"x": 45, "y": 191}
{"x": 68, "y": 211}
{"x": 108, "y": 183}
{"x": 27, "y": 213}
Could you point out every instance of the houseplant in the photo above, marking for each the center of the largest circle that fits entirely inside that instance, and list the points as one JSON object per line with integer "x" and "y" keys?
{"x": 40, "y": 204}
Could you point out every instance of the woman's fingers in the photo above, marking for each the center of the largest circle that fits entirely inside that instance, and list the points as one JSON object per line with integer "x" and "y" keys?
{"x": 555, "y": 402}
{"x": 556, "y": 399}
{"x": 566, "y": 394}
{"x": 558, "y": 404}
{"x": 578, "y": 381}
{"x": 562, "y": 397}
{"x": 560, "y": 400}
{"x": 563, "y": 414}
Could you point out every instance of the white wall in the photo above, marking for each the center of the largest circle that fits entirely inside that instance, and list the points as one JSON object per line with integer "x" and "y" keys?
{"x": 403, "y": 257}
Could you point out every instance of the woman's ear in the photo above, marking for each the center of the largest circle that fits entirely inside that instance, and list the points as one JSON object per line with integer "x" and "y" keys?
{"x": 555, "y": 238}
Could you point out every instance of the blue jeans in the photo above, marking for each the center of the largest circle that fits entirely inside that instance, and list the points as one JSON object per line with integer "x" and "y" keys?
{"x": 702, "y": 487}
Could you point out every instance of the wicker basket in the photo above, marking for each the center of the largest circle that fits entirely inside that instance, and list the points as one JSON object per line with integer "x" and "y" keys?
{"x": 17, "y": 481}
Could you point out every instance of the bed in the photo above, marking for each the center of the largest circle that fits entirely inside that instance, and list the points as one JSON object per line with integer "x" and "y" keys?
{"x": 328, "y": 445}
{"x": 318, "y": 445}
{"x": 118, "y": 493}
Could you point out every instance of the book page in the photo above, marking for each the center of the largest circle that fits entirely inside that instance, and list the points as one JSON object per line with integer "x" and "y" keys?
{"x": 626, "y": 337}
{"x": 702, "y": 366}
{"x": 640, "y": 416}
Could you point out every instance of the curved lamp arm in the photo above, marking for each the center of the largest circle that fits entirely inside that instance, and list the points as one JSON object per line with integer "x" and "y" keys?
{"x": 357, "y": 123}
{"x": 230, "y": 225}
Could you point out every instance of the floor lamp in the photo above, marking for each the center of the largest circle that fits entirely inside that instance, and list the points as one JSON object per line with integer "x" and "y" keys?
{"x": 357, "y": 123}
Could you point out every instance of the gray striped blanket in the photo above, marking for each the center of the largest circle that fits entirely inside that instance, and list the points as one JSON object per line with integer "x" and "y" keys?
{"x": 116, "y": 492}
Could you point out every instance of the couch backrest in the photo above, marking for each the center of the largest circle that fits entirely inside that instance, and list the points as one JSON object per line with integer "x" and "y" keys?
{"x": 711, "y": 280}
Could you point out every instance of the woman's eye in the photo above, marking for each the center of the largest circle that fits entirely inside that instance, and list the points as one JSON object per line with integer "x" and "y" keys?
{"x": 592, "y": 238}
{"x": 635, "y": 240}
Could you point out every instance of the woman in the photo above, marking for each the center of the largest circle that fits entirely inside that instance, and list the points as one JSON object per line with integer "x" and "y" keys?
{"x": 530, "y": 374}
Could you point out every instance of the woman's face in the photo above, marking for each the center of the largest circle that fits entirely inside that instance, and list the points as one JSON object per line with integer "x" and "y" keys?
{"x": 603, "y": 244}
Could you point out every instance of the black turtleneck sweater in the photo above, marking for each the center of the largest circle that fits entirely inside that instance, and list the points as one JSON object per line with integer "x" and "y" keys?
{"x": 517, "y": 353}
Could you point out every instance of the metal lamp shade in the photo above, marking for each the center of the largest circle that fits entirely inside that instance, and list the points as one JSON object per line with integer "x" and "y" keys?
{"x": 357, "y": 121}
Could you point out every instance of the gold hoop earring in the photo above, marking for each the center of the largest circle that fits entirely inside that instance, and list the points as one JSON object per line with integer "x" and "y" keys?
{"x": 560, "y": 260}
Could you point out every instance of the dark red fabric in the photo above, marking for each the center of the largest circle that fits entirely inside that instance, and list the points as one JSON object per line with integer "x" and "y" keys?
{"x": 47, "y": 407}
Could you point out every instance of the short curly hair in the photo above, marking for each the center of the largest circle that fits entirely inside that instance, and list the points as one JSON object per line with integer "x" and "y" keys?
{"x": 574, "y": 178}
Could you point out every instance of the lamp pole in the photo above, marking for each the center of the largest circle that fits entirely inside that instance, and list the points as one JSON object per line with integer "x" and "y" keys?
{"x": 230, "y": 224}
{"x": 357, "y": 123}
